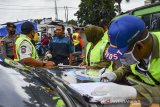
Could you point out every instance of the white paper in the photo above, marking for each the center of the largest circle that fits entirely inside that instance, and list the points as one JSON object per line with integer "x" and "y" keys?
{"x": 87, "y": 89}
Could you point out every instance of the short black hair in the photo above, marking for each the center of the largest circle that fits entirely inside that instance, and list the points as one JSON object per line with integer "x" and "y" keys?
{"x": 27, "y": 27}
{"x": 63, "y": 28}
{"x": 44, "y": 34}
{"x": 68, "y": 29}
{"x": 10, "y": 24}
{"x": 76, "y": 29}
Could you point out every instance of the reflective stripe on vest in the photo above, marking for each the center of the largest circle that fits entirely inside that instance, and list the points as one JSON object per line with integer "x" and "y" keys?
{"x": 18, "y": 42}
{"x": 154, "y": 70}
{"x": 75, "y": 38}
{"x": 105, "y": 36}
{"x": 96, "y": 54}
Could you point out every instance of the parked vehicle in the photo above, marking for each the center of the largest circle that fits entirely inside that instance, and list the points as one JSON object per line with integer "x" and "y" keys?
{"x": 23, "y": 86}
{"x": 150, "y": 14}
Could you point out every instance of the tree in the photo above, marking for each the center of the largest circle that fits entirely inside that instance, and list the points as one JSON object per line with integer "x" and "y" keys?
{"x": 92, "y": 11}
{"x": 153, "y": 1}
{"x": 119, "y": 5}
{"x": 72, "y": 22}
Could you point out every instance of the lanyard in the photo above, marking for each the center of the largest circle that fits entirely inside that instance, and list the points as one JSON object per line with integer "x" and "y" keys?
{"x": 146, "y": 71}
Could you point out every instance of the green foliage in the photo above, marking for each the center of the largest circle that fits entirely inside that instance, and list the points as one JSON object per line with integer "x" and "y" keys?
{"x": 92, "y": 11}
{"x": 72, "y": 22}
{"x": 37, "y": 20}
{"x": 153, "y": 1}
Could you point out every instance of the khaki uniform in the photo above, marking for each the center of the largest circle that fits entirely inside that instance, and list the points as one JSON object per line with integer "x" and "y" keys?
{"x": 151, "y": 94}
{"x": 8, "y": 46}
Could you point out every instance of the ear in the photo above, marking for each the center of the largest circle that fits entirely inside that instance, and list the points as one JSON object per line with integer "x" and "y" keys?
{"x": 140, "y": 46}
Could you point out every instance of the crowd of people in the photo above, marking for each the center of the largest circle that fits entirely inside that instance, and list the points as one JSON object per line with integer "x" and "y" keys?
{"x": 57, "y": 48}
{"x": 120, "y": 50}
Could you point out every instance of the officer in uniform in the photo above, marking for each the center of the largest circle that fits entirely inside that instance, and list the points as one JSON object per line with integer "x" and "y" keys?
{"x": 95, "y": 48}
{"x": 25, "y": 50}
{"x": 7, "y": 42}
{"x": 77, "y": 40}
{"x": 139, "y": 52}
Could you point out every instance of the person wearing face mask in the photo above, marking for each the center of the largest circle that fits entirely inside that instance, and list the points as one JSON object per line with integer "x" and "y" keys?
{"x": 9, "y": 40}
{"x": 24, "y": 50}
{"x": 95, "y": 48}
{"x": 139, "y": 52}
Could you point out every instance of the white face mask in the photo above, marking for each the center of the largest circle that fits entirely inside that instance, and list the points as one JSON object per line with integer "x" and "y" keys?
{"x": 128, "y": 58}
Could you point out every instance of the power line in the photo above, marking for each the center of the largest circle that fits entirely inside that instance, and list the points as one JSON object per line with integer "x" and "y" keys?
{"x": 24, "y": 8}
{"x": 50, "y": 11}
{"x": 18, "y": 5}
{"x": 33, "y": 6}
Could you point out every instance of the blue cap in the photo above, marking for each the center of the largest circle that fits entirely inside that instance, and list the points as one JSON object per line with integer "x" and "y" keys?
{"x": 122, "y": 32}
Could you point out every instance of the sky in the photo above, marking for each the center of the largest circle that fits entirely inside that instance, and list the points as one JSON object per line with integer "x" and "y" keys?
{"x": 16, "y": 10}
{"x": 132, "y": 4}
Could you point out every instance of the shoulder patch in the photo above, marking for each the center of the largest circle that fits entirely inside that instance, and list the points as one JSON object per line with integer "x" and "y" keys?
{"x": 23, "y": 49}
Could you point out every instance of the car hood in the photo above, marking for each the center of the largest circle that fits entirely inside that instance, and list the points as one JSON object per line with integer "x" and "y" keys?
{"x": 21, "y": 90}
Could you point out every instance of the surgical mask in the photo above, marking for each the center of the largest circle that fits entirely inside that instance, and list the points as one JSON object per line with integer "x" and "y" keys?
{"x": 128, "y": 58}
{"x": 12, "y": 33}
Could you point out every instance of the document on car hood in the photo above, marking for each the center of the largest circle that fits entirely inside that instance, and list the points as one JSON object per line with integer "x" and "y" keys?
{"x": 85, "y": 89}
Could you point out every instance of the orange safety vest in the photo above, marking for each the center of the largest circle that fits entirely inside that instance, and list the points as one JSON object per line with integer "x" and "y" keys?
{"x": 75, "y": 39}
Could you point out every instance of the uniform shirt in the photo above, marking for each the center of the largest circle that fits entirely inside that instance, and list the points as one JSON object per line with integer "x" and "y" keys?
{"x": 79, "y": 39}
{"x": 151, "y": 94}
{"x": 9, "y": 45}
{"x": 120, "y": 72}
{"x": 25, "y": 49}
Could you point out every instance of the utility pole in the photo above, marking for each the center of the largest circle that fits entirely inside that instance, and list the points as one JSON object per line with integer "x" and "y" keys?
{"x": 66, "y": 13}
{"x": 56, "y": 14}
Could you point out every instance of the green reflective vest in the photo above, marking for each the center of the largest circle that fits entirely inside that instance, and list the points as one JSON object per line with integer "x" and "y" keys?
{"x": 60, "y": 102}
{"x": 18, "y": 42}
{"x": 96, "y": 54}
{"x": 154, "y": 70}
{"x": 157, "y": 33}
{"x": 75, "y": 38}
{"x": 105, "y": 36}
